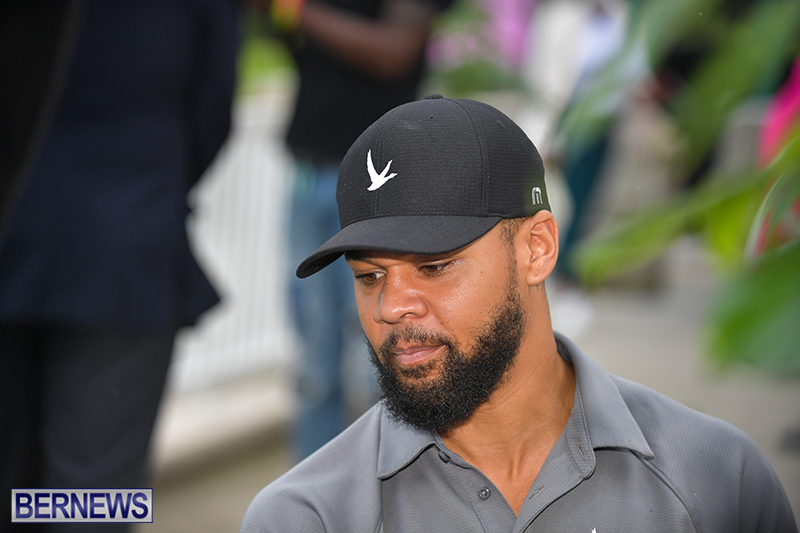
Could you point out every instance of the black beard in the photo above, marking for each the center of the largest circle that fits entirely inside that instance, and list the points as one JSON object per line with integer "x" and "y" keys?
{"x": 465, "y": 381}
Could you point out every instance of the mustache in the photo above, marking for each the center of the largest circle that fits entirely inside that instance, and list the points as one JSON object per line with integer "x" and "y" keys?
{"x": 413, "y": 334}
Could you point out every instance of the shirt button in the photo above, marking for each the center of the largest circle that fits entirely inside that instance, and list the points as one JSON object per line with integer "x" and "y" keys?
{"x": 484, "y": 493}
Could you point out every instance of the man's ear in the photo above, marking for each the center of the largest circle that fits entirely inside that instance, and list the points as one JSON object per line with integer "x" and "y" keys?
{"x": 538, "y": 247}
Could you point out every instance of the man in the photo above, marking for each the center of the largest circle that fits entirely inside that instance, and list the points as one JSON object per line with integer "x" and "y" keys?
{"x": 355, "y": 62}
{"x": 489, "y": 420}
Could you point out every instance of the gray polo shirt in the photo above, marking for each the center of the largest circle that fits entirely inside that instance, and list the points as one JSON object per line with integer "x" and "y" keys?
{"x": 629, "y": 459}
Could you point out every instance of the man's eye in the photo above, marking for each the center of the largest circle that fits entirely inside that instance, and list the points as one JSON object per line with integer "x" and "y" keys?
{"x": 435, "y": 268}
{"x": 367, "y": 278}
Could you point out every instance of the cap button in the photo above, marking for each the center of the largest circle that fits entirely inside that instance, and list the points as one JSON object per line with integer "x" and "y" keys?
{"x": 435, "y": 96}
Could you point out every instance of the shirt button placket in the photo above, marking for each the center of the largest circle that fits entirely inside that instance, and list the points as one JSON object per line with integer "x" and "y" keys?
{"x": 491, "y": 509}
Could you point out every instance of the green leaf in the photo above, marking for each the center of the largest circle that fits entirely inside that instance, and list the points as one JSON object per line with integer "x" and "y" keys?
{"x": 756, "y": 320}
{"x": 751, "y": 53}
{"x": 789, "y": 157}
{"x": 784, "y": 192}
{"x": 727, "y": 226}
{"x": 643, "y": 235}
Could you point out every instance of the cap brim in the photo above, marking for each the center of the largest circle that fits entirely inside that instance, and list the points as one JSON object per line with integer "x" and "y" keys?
{"x": 405, "y": 235}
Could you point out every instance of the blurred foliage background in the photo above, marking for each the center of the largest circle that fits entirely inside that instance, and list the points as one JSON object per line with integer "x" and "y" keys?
{"x": 465, "y": 55}
{"x": 748, "y": 220}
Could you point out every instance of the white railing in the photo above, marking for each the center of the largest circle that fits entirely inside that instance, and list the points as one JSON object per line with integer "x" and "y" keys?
{"x": 237, "y": 232}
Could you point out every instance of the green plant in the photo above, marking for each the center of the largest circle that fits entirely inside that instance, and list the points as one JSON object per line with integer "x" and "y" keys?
{"x": 755, "y": 320}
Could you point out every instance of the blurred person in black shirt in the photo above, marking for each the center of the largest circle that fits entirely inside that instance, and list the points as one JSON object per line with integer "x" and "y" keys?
{"x": 356, "y": 60}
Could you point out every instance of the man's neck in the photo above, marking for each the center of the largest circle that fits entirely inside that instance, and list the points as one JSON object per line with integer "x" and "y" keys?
{"x": 509, "y": 437}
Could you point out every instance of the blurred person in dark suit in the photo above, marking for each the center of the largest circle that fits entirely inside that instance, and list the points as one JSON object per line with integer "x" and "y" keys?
{"x": 37, "y": 40}
{"x": 96, "y": 272}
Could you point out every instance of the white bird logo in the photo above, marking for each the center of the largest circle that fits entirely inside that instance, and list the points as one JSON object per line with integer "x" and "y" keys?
{"x": 378, "y": 179}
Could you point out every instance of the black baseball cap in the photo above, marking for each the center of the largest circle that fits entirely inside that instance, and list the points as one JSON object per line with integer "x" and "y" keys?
{"x": 431, "y": 176}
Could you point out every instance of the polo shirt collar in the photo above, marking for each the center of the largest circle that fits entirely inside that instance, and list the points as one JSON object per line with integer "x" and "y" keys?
{"x": 607, "y": 419}
{"x": 399, "y": 445}
{"x": 600, "y": 418}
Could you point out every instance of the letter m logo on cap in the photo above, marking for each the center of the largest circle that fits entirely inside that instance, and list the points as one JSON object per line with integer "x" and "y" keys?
{"x": 536, "y": 196}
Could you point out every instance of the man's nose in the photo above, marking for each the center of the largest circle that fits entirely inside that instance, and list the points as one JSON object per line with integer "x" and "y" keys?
{"x": 399, "y": 300}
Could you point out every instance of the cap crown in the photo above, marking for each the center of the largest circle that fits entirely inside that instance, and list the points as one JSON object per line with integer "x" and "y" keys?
{"x": 440, "y": 156}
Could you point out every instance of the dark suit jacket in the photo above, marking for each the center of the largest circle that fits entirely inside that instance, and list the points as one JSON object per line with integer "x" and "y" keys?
{"x": 98, "y": 236}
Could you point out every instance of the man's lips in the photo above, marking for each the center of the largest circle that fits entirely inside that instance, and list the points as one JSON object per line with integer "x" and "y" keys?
{"x": 410, "y": 355}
